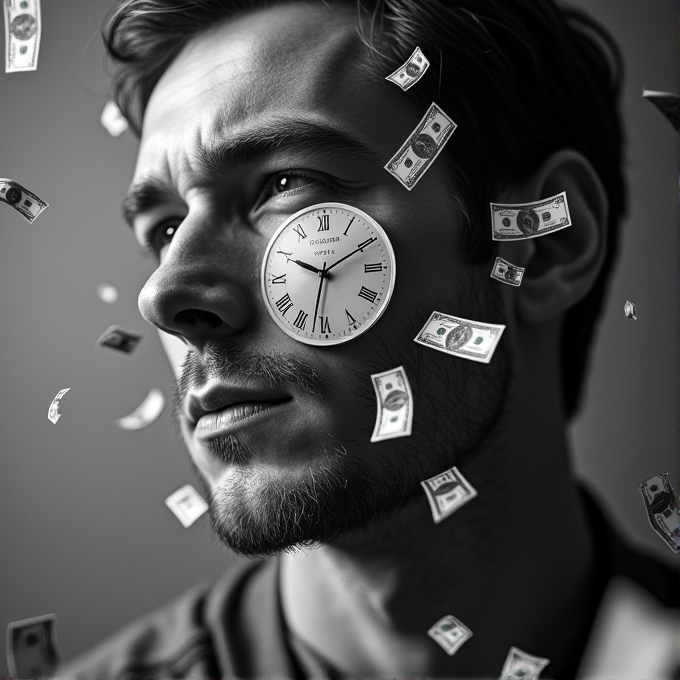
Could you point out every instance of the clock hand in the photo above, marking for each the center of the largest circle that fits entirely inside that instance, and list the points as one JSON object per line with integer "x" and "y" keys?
{"x": 304, "y": 265}
{"x": 361, "y": 248}
{"x": 318, "y": 295}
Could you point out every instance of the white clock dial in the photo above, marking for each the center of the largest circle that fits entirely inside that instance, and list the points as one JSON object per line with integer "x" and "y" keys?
{"x": 328, "y": 274}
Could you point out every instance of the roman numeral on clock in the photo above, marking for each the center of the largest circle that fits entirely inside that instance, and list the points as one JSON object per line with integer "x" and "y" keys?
{"x": 283, "y": 252}
{"x": 284, "y": 304}
{"x": 344, "y": 233}
{"x": 300, "y": 320}
{"x": 367, "y": 294}
{"x": 366, "y": 243}
{"x": 300, "y": 232}
{"x": 324, "y": 224}
{"x": 325, "y": 326}
{"x": 350, "y": 319}
{"x": 372, "y": 268}
{"x": 279, "y": 279}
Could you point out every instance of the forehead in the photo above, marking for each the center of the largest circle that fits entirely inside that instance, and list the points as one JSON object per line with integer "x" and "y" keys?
{"x": 296, "y": 58}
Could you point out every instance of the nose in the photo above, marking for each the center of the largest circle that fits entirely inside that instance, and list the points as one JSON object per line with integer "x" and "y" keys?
{"x": 200, "y": 291}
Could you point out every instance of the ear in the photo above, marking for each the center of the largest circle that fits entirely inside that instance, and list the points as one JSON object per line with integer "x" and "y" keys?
{"x": 560, "y": 267}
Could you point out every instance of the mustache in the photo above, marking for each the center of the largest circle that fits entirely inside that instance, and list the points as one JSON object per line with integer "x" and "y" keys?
{"x": 229, "y": 361}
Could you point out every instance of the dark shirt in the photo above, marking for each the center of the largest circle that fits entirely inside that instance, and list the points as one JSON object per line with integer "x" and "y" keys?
{"x": 234, "y": 627}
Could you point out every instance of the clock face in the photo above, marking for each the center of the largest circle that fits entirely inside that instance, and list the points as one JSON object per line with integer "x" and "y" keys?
{"x": 328, "y": 274}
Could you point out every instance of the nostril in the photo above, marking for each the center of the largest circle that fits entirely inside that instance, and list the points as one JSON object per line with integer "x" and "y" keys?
{"x": 192, "y": 317}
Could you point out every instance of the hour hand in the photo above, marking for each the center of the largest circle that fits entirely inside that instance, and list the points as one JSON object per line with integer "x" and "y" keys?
{"x": 304, "y": 265}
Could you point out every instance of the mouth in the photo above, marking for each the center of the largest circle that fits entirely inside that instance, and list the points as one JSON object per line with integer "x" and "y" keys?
{"x": 235, "y": 416}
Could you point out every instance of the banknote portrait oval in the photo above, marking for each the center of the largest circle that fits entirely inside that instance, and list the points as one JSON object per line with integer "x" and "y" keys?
{"x": 528, "y": 221}
{"x": 424, "y": 146}
{"x": 13, "y": 195}
{"x": 395, "y": 400}
{"x": 412, "y": 69}
{"x": 23, "y": 27}
{"x": 506, "y": 222}
{"x": 458, "y": 337}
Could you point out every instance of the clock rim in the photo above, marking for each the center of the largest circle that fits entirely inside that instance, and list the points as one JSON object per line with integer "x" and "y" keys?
{"x": 388, "y": 295}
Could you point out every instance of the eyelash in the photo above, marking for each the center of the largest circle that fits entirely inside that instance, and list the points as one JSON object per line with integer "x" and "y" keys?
{"x": 147, "y": 250}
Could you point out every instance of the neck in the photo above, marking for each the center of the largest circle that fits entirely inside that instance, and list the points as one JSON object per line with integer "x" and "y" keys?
{"x": 512, "y": 564}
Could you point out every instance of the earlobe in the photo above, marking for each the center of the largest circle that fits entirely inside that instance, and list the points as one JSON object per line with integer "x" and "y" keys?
{"x": 561, "y": 267}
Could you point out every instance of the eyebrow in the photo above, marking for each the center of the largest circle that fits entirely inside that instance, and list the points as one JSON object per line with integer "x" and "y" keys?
{"x": 226, "y": 155}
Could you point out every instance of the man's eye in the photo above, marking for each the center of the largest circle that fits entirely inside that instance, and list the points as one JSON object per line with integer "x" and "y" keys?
{"x": 161, "y": 235}
{"x": 289, "y": 181}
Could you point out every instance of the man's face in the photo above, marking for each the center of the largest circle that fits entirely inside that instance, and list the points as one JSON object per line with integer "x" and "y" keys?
{"x": 300, "y": 468}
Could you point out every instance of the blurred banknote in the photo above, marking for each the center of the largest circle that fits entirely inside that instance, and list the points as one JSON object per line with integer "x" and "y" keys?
{"x": 113, "y": 120}
{"x": 32, "y": 650}
{"x": 450, "y": 633}
{"x": 519, "y": 664}
{"x": 460, "y": 337}
{"x": 517, "y": 221}
{"x": 145, "y": 413}
{"x": 629, "y": 310}
{"x": 22, "y": 200}
{"x": 120, "y": 339}
{"x": 107, "y": 292}
{"x": 508, "y": 273}
{"x": 416, "y": 154}
{"x": 662, "y": 509}
{"x": 411, "y": 72}
{"x": 186, "y": 504}
{"x": 447, "y": 492}
{"x": 22, "y": 35}
{"x": 53, "y": 413}
{"x": 668, "y": 103}
{"x": 395, "y": 405}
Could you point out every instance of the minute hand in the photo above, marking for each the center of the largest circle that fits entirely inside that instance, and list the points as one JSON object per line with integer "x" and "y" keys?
{"x": 342, "y": 259}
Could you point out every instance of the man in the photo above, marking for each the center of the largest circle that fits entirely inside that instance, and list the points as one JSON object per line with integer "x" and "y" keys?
{"x": 250, "y": 112}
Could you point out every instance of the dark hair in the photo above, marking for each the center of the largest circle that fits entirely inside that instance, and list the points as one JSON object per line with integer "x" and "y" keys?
{"x": 523, "y": 78}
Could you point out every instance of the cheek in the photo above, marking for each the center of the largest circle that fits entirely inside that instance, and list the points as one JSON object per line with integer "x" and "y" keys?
{"x": 175, "y": 350}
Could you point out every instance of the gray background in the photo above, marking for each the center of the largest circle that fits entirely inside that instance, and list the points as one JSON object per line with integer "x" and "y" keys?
{"x": 84, "y": 530}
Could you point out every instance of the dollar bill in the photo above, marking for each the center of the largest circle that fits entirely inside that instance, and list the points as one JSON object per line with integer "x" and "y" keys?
{"x": 409, "y": 73}
{"x": 120, "y": 339}
{"x": 460, "y": 337}
{"x": 186, "y": 504}
{"x": 395, "y": 405}
{"x": 22, "y": 200}
{"x": 416, "y": 154}
{"x": 519, "y": 664}
{"x": 107, "y": 292}
{"x": 508, "y": 273}
{"x": 662, "y": 509}
{"x": 668, "y": 103}
{"x": 629, "y": 310}
{"x": 518, "y": 221}
{"x": 447, "y": 492}
{"x": 113, "y": 120}
{"x": 450, "y": 633}
{"x": 22, "y": 35}
{"x": 32, "y": 650}
{"x": 53, "y": 413}
{"x": 145, "y": 413}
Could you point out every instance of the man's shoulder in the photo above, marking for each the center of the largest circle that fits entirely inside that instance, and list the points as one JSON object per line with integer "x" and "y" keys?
{"x": 174, "y": 640}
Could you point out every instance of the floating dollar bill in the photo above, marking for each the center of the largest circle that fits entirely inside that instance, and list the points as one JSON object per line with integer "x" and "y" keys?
{"x": 668, "y": 103}
{"x": 416, "y": 154}
{"x": 120, "y": 339}
{"x": 629, "y": 310}
{"x": 32, "y": 650}
{"x": 22, "y": 35}
{"x": 447, "y": 492}
{"x": 508, "y": 273}
{"x": 145, "y": 413}
{"x": 411, "y": 72}
{"x": 450, "y": 633}
{"x": 22, "y": 200}
{"x": 113, "y": 120}
{"x": 395, "y": 405}
{"x": 460, "y": 337}
{"x": 662, "y": 509}
{"x": 519, "y": 664}
{"x": 187, "y": 505}
{"x": 517, "y": 221}
{"x": 53, "y": 413}
{"x": 107, "y": 292}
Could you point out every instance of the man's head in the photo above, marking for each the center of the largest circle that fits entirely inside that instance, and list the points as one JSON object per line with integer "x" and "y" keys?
{"x": 244, "y": 114}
